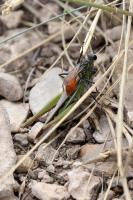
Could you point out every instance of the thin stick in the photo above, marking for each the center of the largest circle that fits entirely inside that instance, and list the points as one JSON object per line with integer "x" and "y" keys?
{"x": 119, "y": 125}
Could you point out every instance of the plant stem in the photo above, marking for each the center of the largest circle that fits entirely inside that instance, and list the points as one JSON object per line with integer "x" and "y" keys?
{"x": 105, "y": 8}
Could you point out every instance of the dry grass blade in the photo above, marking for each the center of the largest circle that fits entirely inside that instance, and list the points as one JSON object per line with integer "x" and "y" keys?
{"x": 91, "y": 32}
{"x": 109, "y": 186}
{"x": 101, "y": 6}
{"x": 120, "y": 112}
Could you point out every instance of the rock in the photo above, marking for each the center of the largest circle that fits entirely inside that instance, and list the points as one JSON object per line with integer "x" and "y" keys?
{"x": 13, "y": 19}
{"x": 114, "y": 33}
{"x": 11, "y": 197}
{"x": 26, "y": 165}
{"x": 16, "y": 46}
{"x": 45, "y": 191}
{"x": 50, "y": 169}
{"x": 7, "y": 156}
{"x": 34, "y": 132}
{"x": 111, "y": 195}
{"x": 55, "y": 26}
{"x": 17, "y": 113}
{"x": 45, "y": 12}
{"x": 49, "y": 86}
{"x": 130, "y": 184}
{"x": 21, "y": 138}
{"x": 72, "y": 153}
{"x": 77, "y": 136}
{"x": 44, "y": 176}
{"x": 45, "y": 154}
{"x": 101, "y": 136}
{"x": 78, "y": 185}
{"x": 10, "y": 87}
{"x": 90, "y": 151}
{"x": 106, "y": 168}
{"x": 102, "y": 59}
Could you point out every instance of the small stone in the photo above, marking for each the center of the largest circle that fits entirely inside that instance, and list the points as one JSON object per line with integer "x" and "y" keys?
{"x": 45, "y": 12}
{"x": 48, "y": 87}
{"x": 47, "y": 191}
{"x": 10, "y": 87}
{"x": 130, "y": 184}
{"x": 102, "y": 59}
{"x": 101, "y": 136}
{"x": 45, "y": 154}
{"x": 50, "y": 169}
{"x": 78, "y": 180}
{"x": 114, "y": 33}
{"x": 55, "y": 26}
{"x": 111, "y": 194}
{"x": 44, "y": 176}
{"x": 26, "y": 165}
{"x": 106, "y": 168}
{"x": 13, "y": 19}
{"x": 90, "y": 151}
{"x": 21, "y": 138}
{"x": 77, "y": 136}
{"x": 35, "y": 130}
{"x": 72, "y": 153}
{"x": 7, "y": 156}
{"x": 17, "y": 113}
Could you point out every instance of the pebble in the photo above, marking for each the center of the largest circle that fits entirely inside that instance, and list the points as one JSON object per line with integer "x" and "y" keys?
{"x": 7, "y": 155}
{"x": 78, "y": 182}
{"x": 26, "y": 165}
{"x": 77, "y": 136}
{"x": 13, "y": 19}
{"x": 10, "y": 87}
{"x": 17, "y": 113}
{"x": 47, "y": 191}
{"x": 45, "y": 154}
{"x": 21, "y": 139}
{"x": 130, "y": 184}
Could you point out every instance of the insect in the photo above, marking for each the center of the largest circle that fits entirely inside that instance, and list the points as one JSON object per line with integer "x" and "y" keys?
{"x": 75, "y": 82}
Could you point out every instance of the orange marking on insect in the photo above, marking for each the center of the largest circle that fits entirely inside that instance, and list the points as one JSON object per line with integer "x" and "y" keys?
{"x": 71, "y": 81}
{"x": 71, "y": 86}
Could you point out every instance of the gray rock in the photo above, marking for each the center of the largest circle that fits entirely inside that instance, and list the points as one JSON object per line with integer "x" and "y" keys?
{"x": 44, "y": 176}
{"x": 10, "y": 87}
{"x": 78, "y": 185}
{"x": 101, "y": 135}
{"x": 45, "y": 154}
{"x": 90, "y": 151}
{"x": 26, "y": 165}
{"x": 17, "y": 113}
{"x": 72, "y": 153}
{"x": 45, "y": 191}
{"x": 130, "y": 184}
{"x": 48, "y": 87}
{"x": 21, "y": 138}
{"x": 13, "y": 19}
{"x": 77, "y": 136}
{"x": 7, "y": 156}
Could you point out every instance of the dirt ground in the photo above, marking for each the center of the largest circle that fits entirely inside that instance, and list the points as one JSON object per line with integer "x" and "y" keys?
{"x": 84, "y": 151}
